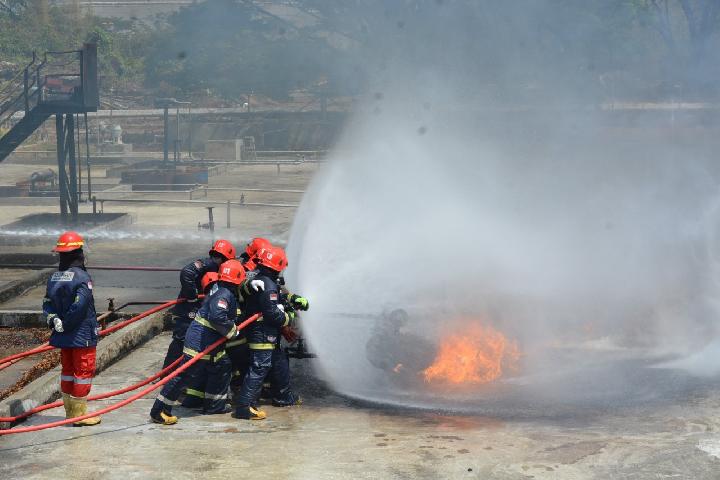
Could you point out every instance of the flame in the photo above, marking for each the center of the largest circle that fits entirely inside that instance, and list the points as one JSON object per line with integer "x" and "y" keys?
{"x": 475, "y": 356}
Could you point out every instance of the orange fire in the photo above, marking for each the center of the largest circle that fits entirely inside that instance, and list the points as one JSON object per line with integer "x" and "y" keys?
{"x": 475, "y": 356}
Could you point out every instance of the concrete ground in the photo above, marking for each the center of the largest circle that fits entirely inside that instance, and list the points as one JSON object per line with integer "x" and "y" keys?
{"x": 330, "y": 437}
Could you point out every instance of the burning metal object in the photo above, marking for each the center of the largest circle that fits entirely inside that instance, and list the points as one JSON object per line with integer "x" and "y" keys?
{"x": 480, "y": 354}
{"x": 473, "y": 354}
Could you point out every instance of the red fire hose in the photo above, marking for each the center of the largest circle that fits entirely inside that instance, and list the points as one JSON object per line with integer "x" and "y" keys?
{"x": 42, "y": 348}
{"x": 9, "y": 360}
{"x": 101, "y": 396}
{"x": 134, "y": 319}
{"x": 134, "y": 397}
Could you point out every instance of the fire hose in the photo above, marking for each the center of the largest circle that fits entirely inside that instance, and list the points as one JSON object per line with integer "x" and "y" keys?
{"x": 101, "y": 396}
{"x": 9, "y": 360}
{"x": 4, "y": 363}
{"x": 12, "y": 359}
{"x": 136, "y": 396}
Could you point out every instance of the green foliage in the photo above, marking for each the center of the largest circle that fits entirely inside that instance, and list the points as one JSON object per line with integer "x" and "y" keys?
{"x": 231, "y": 49}
{"x": 38, "y": 27}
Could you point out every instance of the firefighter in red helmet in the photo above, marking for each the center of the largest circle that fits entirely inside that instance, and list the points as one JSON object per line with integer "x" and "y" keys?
{"x": 263, "y": 337}
{"x": 251, "y": 250}
{"x": 69, "y": 310}
{"x": 239, "y": 352}
{"x": 190, "y": 287}
{"x": 195, "y": 391}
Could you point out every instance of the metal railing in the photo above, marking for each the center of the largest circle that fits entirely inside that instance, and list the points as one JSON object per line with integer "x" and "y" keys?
{"x": 190, "y": 189}
{"x": 58, "y": 77}
{"x": 28, "y": 81}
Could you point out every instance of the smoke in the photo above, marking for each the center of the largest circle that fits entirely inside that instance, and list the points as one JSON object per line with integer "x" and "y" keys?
{"x": 592, "y": 246}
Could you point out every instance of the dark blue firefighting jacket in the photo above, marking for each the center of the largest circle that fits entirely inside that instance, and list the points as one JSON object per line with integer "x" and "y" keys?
{"x": 214, "y": 320}
{"x": 263, "y": 334}
{"x": 190, "y": 278}
{"x": 69, "y": 297}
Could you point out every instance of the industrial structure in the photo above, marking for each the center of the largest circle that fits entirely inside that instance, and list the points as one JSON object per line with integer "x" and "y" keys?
{"x": 63, "y": 84}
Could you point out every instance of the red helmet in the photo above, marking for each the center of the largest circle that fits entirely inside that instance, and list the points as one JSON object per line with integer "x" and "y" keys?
{"x": 207, "y": 279}
{"x": 273, "y": 258}
{"x": 231, "y": 271}
{"x": 257, "y": 244}
{"x": 250, "y": 265}
{"x": 224, "y": 248}
{"x": 68, "y": 241}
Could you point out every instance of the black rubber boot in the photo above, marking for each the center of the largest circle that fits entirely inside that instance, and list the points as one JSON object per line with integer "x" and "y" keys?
{"x": 249, "y": 413}
{"x": 288, "y": 400}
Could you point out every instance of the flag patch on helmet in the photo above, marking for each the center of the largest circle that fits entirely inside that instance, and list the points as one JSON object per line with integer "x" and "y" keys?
{"x": 222, "y": 303}
{"x": 273, "y": 297}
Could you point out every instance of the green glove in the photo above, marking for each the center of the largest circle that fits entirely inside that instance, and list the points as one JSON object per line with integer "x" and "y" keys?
{"x": 291, "y": 316}
{"x": 300, "y": 303}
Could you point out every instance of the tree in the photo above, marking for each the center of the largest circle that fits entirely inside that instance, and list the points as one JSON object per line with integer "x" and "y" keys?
{"x": 232, "y": 48}
{"x": 12, "y": 7}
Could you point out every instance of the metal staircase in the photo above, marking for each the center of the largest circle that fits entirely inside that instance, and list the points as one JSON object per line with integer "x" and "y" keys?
{"x": 19, "y": 98}
{"x": 62, "y": 84}
{"x": 21, "y": 131}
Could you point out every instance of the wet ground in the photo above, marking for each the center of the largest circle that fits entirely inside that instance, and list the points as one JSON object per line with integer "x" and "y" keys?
{"x": 331, "y": 437}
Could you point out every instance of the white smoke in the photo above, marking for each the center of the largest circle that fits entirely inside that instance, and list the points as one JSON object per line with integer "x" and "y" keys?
{"x": 585, "y": 251}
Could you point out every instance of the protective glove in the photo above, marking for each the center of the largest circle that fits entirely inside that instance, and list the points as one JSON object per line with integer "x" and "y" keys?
{"x": 58, "y": 325}
{"x": 300, "y": 303}
{"x": 291, "y": 317}
{"x": 49, "y": 321}
{"x": 257, "y": 285}
{"x": 289, "y": 334}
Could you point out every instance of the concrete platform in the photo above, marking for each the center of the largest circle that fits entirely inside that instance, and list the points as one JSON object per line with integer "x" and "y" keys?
{"x": 330, "y": 437}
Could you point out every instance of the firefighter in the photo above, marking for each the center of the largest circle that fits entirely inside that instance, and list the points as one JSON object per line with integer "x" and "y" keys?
{"x": 237, "y": 348}
{"x": 239, "y": 352}
{"x": 280, "y": 370}
{"x": 262, "y": 337}
{"x": 214, "y": 320}
{"x": 69, "y": 310}
{"x": 251, "y": 250}
{"x": 195, "y": 392}
{"x": 190, "y": 278}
